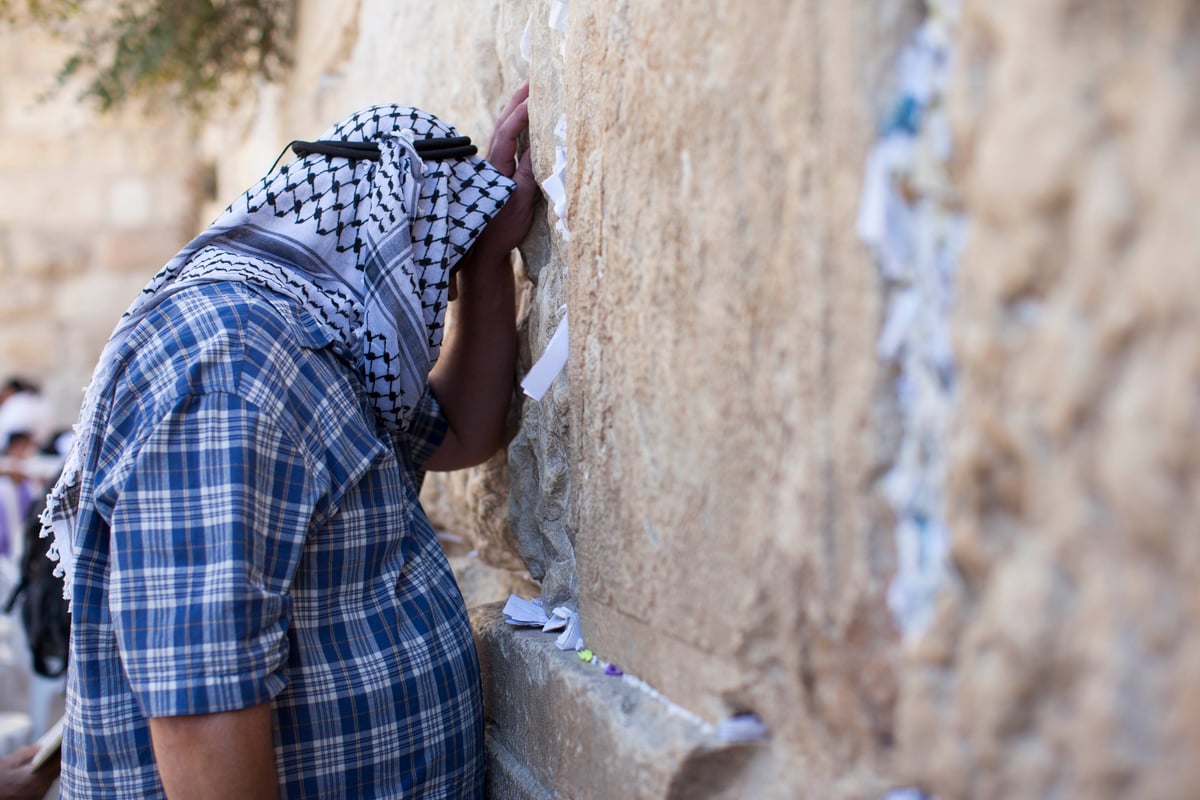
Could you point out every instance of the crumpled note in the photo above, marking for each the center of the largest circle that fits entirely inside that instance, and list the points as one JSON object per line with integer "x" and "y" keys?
{"x": 542, "y": 374}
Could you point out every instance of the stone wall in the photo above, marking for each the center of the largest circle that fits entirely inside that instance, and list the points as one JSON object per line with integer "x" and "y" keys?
{"x": 729, "y": 418}
{"x": 1064, "y": 662}
{"x": 707, "y": 480}
{"x": 91, "y": 207}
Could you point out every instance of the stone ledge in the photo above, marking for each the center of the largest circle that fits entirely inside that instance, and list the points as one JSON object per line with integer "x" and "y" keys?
{"x": 561, "y": 728}
{"x": 507, "y": 777}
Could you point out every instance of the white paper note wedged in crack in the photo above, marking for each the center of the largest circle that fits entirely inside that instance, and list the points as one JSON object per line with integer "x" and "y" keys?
{"x": 548, "y": 367}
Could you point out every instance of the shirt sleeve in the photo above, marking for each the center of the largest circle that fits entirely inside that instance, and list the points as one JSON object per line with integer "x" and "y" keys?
{"x": 426, "y": 430}
{"x": 206, "y": 535}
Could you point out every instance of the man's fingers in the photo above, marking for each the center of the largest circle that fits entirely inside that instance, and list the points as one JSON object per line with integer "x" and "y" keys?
{"x": 503, "y": 151}
{"x": 22, "y": 756}
{"x": 516, "y": 122}
{"x": 524, "y": 176}
{"x": 519, "y": 96}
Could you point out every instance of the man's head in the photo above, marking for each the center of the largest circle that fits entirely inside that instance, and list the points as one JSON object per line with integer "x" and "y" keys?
{"x": 20, "y": 444}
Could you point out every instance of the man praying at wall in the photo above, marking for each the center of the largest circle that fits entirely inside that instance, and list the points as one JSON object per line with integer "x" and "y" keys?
{"x": 260, "y": 607}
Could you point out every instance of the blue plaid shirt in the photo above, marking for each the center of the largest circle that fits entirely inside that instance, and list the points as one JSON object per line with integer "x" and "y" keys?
{"x": 251, "y": 536}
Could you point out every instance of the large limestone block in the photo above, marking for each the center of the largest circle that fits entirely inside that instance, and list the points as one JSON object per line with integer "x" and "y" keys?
{"x": 41, "y": 254}
{"x": 540, "y": 495}
{"x": 1064, "y": 662}
{"x": 729, "y": 418}
{"x": 31, "y": 196}
{"x": 143, "y": 251}
{"x": 31, "y": 344}
{"x": 558, "y": 727}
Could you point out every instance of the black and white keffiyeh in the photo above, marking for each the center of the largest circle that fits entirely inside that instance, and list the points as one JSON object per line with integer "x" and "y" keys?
{"x": 367, "y": 246}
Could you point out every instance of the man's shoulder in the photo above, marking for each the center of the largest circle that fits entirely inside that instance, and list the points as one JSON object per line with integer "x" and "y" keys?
{"x": 229, "y": 311}
{"x": 233, "y": 339}
{"x": 223, "y": 337}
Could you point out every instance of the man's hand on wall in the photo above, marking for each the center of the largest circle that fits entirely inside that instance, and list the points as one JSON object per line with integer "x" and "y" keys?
{"x": 512, "y": 223}
{"x": 473, "y": 379}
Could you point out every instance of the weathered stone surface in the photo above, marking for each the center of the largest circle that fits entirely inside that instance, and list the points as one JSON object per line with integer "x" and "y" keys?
{"x": 1064, "y": 663}
{"x": 539, "y": 454}
{"x": 473, "y": 503}
{"x": 481, "y": 583}
{"x": 37, "y": 255}
{"x": 560, "y": 727}
{"x": 728, "y": 420}
{"x": 129, "y": 250}
{"x": 507, "y": 775}
{"x": 539, "y": 496}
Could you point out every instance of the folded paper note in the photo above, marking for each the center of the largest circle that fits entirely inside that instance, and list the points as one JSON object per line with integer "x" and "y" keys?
{"x": 548, "y": 367}
{"x": 555, "y": 186}
{"x": 572, "y": 637}
{"x": 558, "y": 620}
{"x": 525, "y": 613}
{"x": 49, "y": 744}
{"x": 558, "y": 15}
{"x": 526, "y": 39}
{"x": 742, "y": 728}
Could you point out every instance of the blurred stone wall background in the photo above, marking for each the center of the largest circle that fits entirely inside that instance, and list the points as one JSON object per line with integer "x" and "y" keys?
{"x": 704, "y": 482}
{"x": 90, "y": 207}
{"x": 1065, "y": 662}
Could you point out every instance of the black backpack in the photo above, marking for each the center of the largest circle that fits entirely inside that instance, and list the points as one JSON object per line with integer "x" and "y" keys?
{"x": 44, "y": 611}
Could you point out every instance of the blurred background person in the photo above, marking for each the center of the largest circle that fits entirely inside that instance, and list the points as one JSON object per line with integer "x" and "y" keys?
{"x": 23, "y": 408}
{"x": 19, "y": 781}
{"x": 18, "y": 490}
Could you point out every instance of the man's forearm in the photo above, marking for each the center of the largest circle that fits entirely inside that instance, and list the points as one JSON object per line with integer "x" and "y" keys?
{"x": 474, "y": 376}
{"x": 217, "y": 756}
